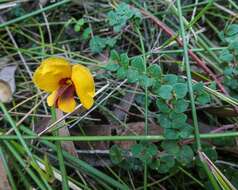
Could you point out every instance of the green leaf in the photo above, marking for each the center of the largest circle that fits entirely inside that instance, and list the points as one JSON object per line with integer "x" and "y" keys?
{"x": 132, "y": 76}
{"x": 180, "y": 106}
{"x": 124, "y": 60}
{"x": 178, "y": 125}
{"x": 165, "y": 92}
{"x": 121, "y": 73}
{"x": 198, "y": 87}
{"x": 154, "y": 71}
{"x": 138, "y": 63}
{"x": 170, "y": 79}
{"x": 140, "y": 99}
{"x": 185, "y": 155}
{"x": 226, "y": 56}
{"x": 114, "y": 55}
{"x": 145, "y": 81}
{"x": 210, "y": 152}
{"x": 228, "y": 71}
{"x": 137, "y": 149}
{"x": 97, "y": 44}
{"x": 203, "y": 99}
{"x": 171, "y": 147}
{"x": 144, "y": 151}
{"x": 164, "y": 121}
{"x": 234, "y": 46}
{"x": 186, "y": 131}
{"x": 86, "y": 33}
{"x": 232, "y": 30}
{"x": 116, "y": 154}
{"x": 154, "y": 164}
{"x": 110, "y": 42}
{"x": 112, "y": 67}
{"x": 166, "y": 163}
{"x": 121, "y": 15}
{"x": 79, "y": 24}
{"x": 162, "y": 105}
{"x": 171, "y": 134}
{"x": 180, "y": 89}
{"x": 178, "y": 117}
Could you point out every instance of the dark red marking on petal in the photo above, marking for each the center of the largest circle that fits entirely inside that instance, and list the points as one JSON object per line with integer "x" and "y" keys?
{"x": 65, "y": 91}
{"x": 64, "y": 81}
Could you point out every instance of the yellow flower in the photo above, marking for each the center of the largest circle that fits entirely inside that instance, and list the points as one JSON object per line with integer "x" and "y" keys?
{"x": 56, "y": 76}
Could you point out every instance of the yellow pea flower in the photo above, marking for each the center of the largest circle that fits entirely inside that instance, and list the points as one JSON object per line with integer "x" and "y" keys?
{"x": 57, "y": 76}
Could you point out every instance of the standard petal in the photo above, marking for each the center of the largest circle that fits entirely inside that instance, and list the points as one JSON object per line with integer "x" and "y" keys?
{"x": 50, "y": 72}
{"x": 84, "y": 85}
{"x": 66, "y": 104}
{"x": 51, "y": 99}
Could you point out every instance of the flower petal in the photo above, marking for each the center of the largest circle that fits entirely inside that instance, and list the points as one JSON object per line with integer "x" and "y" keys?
{"x": 66, "y": 104}
{"x": 50, "y": 72}
{"x": 51, "y": 99}
{"x": 84, "y": 85}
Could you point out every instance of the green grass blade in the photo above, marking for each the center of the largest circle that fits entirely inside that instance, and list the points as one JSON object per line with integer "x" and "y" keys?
{"x": 65, "y": 185}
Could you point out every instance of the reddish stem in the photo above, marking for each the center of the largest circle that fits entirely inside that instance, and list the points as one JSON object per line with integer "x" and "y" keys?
{"x": 199, "y": 62}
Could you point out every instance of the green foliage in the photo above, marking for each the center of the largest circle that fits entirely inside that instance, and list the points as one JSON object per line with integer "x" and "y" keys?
{"x": 180, "y": 105}
{"x": 231, "y": 33}
{"x": 116, "y": 154}
{"x": 138, "y": 63}
{"x": 145, "y": 81}
{"x": 165, "y": 92}
{"x": 164, "y": 121}
{"x": 97, "y": 43}
{"x": 171, "y": 91}
{"x": 132, "y": 76}
{"x": 180, "y": 90}
{"x": 79, "y": 24}
{"x": 155, "y": 164}
{"x": 201, "y": 96}
{"x": 121, "y": 73}
{"x": 86, "y": 33}
{"x": 170, "y": 79}
{"x": 140, "y": 100}
{"x": 162, "y": 105}
{"x": 119, "y": 17}
{"x": 166, "y": 163}
{"x": 228, "y": 57}
{"x": 144, "y": 151}
{"x": 171, "y": 147}
{"x": 185, "y": 155}
{"x": 172, "y": 102}
{"x": 154, "y": 71}
{"x": 124, "y": 60}
{"x": 112, "y": 67}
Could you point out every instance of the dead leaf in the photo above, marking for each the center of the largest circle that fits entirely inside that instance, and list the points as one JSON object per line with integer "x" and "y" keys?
{"x": 137, "y": 129}
{"x": 64, "y": 131}
{"x": 44, "y": 122}
{"x": 5, "y": 92}
{"x": 7, "y": 83}
{"x": 4, "y": 184}
{"x": 7, "y": 74}
{"x": 95, "y": 130}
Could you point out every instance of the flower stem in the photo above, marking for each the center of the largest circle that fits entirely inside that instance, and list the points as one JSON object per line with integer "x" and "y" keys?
{"x": 65, "y": 185}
